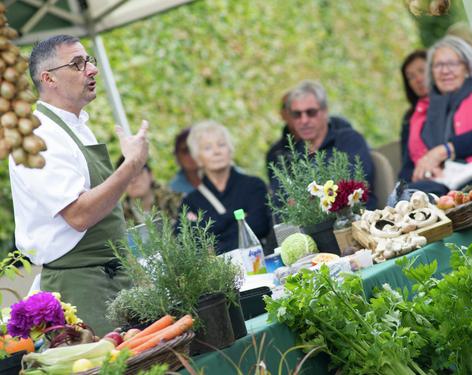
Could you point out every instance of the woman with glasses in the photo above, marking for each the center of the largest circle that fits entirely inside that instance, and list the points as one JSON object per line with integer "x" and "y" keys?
{"x": 441, "y": 127}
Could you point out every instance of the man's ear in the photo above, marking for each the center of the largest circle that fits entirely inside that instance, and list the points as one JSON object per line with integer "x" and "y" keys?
{"x": 47, "y": 78}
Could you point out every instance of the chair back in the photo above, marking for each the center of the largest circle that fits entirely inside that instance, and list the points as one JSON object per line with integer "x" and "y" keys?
{"x": 384, "y": 178}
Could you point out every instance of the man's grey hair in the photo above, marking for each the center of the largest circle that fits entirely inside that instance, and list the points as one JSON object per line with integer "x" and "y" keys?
{"x": 308, "y": 87}
{"x": 202, "y": 129}
{"x": 44, "y": 53}
{"x": 458, "y": 45}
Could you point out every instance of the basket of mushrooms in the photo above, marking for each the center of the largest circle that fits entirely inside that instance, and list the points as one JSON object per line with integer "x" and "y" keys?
{"x": 399, "y": 230}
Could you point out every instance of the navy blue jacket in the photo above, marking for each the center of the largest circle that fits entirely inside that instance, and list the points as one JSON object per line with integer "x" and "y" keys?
{"x": 347, "y": 140}
{"x": 242, "y": 191}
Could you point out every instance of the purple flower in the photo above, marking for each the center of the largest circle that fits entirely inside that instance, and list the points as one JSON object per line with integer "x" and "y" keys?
{"x": 41, "y": 309}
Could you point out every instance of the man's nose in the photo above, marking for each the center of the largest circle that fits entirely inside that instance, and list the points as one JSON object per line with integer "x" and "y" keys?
{"x": 91, "y": 70}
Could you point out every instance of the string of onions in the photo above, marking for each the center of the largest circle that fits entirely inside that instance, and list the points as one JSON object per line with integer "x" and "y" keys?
{"x": 17, "y": 121}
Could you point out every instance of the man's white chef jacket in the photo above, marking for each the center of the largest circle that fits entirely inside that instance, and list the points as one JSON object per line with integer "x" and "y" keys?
{"x": 40, "y": 194}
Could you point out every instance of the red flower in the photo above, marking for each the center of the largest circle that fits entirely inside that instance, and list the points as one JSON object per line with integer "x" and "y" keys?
{"x": 345, "y": 188}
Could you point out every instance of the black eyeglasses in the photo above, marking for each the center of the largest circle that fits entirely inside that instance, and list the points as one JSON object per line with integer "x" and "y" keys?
{"x": 79, "y": 62}
{"x": 310, "y": 112}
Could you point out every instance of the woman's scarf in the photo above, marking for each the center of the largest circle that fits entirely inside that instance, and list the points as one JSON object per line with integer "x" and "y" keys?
{"x": 438, "y": 127}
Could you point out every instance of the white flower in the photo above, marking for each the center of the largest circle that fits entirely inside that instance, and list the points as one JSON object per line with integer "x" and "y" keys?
{"x": 315, "y": 189}
{"x": 325, "y": 204}
{"x": 355, "y": 197}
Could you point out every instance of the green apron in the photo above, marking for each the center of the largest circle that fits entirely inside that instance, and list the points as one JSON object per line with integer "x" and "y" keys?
{"x": 90, "y": 275}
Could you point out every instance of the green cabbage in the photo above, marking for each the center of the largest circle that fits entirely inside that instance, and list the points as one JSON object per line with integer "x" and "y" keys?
{"x": 297, "y": 246}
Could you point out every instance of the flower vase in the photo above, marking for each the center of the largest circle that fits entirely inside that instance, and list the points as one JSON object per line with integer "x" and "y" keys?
{"x": 342, "y": 229}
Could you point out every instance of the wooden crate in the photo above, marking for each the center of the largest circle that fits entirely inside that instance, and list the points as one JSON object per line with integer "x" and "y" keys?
{"x": 434, "y": 232}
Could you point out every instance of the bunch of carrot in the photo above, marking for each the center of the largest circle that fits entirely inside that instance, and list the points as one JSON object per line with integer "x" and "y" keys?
{"x": 163, "y": 329}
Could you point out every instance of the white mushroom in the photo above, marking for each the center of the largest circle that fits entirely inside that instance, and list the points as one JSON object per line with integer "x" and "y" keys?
{"x": 384, "y": 229}
{"x": 422, "y": 217}
{"x": 407, "y": 227}
{"x": 419, "y": 199}
{"x": 403, "y": 207}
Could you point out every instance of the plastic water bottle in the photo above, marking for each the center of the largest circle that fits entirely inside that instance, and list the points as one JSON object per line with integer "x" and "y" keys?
{"x": 249, "y": 246}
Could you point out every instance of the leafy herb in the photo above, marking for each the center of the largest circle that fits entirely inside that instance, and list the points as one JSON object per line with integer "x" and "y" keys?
{"x": 333, "y": 316}
{"x": 171, "y": 271}
{"x": 292, "y": 203}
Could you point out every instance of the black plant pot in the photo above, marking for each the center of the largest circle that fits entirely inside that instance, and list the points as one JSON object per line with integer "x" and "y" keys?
{"x": 216, "y": 331}
{"x": 324, "y": 237}
{"x": 11, "y": 365}
{"x": 237, "y": 318}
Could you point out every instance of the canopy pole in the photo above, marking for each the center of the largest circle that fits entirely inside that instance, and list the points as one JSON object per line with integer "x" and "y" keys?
{"x": 468, "y": 10}
{"x": 112, "y": 91}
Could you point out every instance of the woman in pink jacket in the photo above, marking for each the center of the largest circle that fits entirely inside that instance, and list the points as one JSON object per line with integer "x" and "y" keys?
{"x": 441, "y": 126}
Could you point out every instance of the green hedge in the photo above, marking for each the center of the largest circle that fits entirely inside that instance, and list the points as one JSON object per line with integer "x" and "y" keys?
{"x": 231, "y": 60}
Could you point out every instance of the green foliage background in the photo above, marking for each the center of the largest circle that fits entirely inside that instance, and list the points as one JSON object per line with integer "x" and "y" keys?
{"x": 232, "y": 60}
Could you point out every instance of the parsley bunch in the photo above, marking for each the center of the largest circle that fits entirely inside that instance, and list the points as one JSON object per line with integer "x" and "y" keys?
{"x": 361, "y": 336}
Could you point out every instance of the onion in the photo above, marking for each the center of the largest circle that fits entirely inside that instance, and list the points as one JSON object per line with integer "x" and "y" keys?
{"x": 3, "y": 66}
{"x": 3, "y": 42}
{"x": 27, "y": 96}
{"x": 32, "y": 144}
{"x": 9, "y": 120}
{"x": 2, "y": 132}
{"x": 22, "y": 108}
{"x": 10, "y": 33}
{"x": 9, "y": 57}
{"x": 11, "y": 74}
{"x": 21, "y": 65}
{"x": 2, "y": 8}
{"x": 25, "y": 126}
{"x": 3, "y": 20}
{"x": 4, "y": 149}
{"x": 35, "y": 121}
{"x": 7, "y": 90}
{"x": 4, "y": 105}
{"x": 36, "y": 161}
{"x": 22, "y": 83}
{"x": 13, "y": 137}
{"x": 19, "y": 156}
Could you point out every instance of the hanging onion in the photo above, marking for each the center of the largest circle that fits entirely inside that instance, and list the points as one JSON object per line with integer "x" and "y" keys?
{"x": 13, "y": 137}
{"x": 4, "y": 149}
{"x": 25, "y": 126}
{"x": 9, "y": 120}
{"x": 22, "y": 108}
{"x": 19, "y": 156}
{"x": 4, "y": 105}
{"x": 35, "y": 161}
{"x": 7, "y": 90}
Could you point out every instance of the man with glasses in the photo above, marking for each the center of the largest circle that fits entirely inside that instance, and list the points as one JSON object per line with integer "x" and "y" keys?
{"x": 281, "y": 147}
{"x": 308, "y": 110}
{"x": 69, "y": 210}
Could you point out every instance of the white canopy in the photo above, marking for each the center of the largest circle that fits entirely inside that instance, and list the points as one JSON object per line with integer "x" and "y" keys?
{"x": 38, "y": 19}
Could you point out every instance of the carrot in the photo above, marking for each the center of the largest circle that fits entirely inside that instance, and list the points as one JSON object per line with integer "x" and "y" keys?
{"x": 162, "y": 323}
{"x": 158, "y": 325}
{"x": 133, "y": 343}
{"x": 176, "y": 329}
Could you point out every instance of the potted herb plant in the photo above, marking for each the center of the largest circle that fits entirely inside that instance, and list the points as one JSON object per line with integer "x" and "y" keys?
{"x": 293, "y": 204}
{"x": 177, "y": 273}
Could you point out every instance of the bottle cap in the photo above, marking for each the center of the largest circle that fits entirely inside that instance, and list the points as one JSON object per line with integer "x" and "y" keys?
{"x": 239, "y": 214}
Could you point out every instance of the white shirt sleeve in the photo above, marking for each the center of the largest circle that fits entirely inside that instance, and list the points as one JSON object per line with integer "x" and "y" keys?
{"x": 61, "y": 181}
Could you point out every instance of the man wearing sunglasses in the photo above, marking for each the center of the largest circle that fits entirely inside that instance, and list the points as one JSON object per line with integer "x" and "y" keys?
{"x": 308, "y": 109}
{"x": 69, "y": 210}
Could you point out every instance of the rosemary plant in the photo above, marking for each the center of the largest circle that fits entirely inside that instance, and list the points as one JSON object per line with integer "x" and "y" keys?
{"x": 292, "y": 204}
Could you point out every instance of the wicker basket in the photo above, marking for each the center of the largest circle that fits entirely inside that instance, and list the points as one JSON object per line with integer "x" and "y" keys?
{"x": 461, "y": 216}
{"x": 163, "y": 353}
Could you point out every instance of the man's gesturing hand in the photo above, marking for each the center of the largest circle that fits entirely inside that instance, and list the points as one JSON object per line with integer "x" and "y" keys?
{"x": 134, "y": 147}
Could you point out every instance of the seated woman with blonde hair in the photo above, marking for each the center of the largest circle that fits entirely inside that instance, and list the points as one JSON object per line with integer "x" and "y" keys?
{"x": 223, "y": 188}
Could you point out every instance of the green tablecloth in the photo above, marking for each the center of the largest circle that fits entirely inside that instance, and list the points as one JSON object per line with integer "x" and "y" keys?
{"x": 267, "y": 340}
